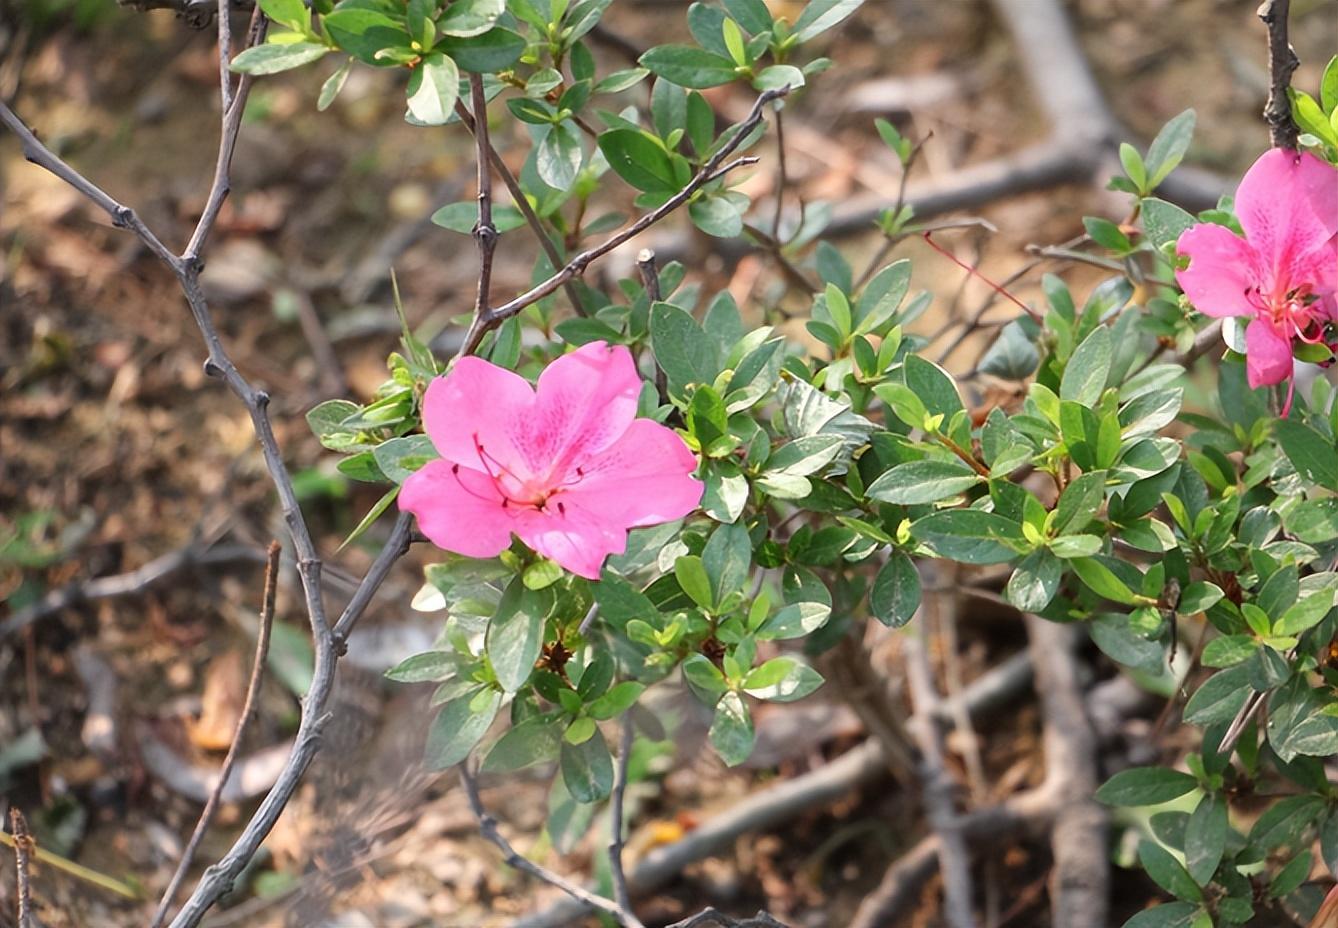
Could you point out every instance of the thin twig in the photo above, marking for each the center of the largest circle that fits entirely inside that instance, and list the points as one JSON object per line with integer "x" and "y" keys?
{"x": 1282, "y": 62}
{"x": 782, "y": 178}
{"x": 935, "y": 782}
{"x": 23, "y": 847}
{"x": 714, "y": 168}
{"x": 713, "y": 916}
{"x": 234, "y": 749}
{"x": 522, "y": 203}
{"x": 650, "y": 279}
{"x": 485, "y": 233}
{"x": 488, "y": 828}
{"x": 616, "y": 800}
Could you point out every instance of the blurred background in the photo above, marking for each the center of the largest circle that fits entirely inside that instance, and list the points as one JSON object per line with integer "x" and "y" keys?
{"x": 118, "y": 698}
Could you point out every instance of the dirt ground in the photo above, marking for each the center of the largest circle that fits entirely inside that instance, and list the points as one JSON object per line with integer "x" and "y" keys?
{"x": 115, "y": 449}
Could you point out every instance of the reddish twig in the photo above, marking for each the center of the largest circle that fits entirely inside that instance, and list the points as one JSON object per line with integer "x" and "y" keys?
{"x": 23, "y": 849}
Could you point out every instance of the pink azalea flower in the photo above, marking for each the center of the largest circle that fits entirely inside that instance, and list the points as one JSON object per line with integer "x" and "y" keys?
{"x": 1284, "y": 273}
{"x": 568, "y": 468}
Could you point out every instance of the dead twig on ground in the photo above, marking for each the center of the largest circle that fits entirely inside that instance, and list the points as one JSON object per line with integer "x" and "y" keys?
{"x": 779, "y": 804}
{"x": 712, "y": 916}
{"x": 936, "y": 785}
{"x": 23, "y": 848}
{"x": 271, "y": 590}
{"x": 129, "y": 583}
{"x": 1080, "y": 879}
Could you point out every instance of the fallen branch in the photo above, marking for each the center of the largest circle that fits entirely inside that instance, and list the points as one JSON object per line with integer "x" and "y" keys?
{"x": 23, "y": 847}
{"x": 129, "y": 583}
{"x": 780, "y": 804}
{"x": 1080, "y": 878}
{"x": 248, "y": 709}
{"x": 936, "y": 785}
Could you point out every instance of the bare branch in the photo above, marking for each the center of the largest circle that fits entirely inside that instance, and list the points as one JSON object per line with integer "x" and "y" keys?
{"x": 1282, "y": 62}
{"x": 488, "y": 827}
{"x": 485, "y": 233}
{"x": 616, "y": 800}
{"x": 708, "y": 172}
{"x": 712, "y": 916}
{"x": 234, "y": 749}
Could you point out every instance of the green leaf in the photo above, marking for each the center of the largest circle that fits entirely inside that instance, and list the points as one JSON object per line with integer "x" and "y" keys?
{"x": 1115, "y": 635}
{"x": 1286, "y": 823}
{"x": 1079, "y": 502}
{"x": 433, "y": 87}
{"x": 333, "y": 84}
{"x": 492, "y": 51}
{"x": 777, "y": 76}
{"x": 377, "y": 510}
{"x": 691, "y": 575}
{"x": 1205, "y": 838}
{"x": 533, "y": 741}
{"x": 1167, "y": 872}
{"x": 470, "y": 17}
{"x": 271, "y": 59}
{"x": 726, "y": 559}
{"x": 683, "y": 351}
{"x": 717, "y": 214}
{"x": 1164, "y": 222}
{"x": 922, "y": 482}
{"x": 1328, "y": 86}
{"x": 1219, "y": 698}
{"x": 363, "y": 33}
{"x": 795, "y": 620}
{"x": 1301, "y": 721}
{"x": 1145, "y": 786}
{"x": 430, "y": 666}
{"x": 581, "y": 730}
{"x": 1168, "y": 148}
{"x": 1013, "y": 356}
{"x": 752, "y": 15}
{"x": 616, "y": 701}
{"x": 587, "y": 769}
{"x": 1103, "y": 581}
{"x": 895, "y": 594}
{"x": 688, "y": 66}
{"x": 732, "y": 730}
{"x": 640, "y": 160}
{"x": 1313, "y": 456}
{"x": 1314, "y": 521}
{"x": 460, "y": 724}
{"x": 1228, "y": 650}
{"x": 1305, "y": 614}
{"x": 399, "y": 458}
{"x": 1034, "y": 581}
{"x": 515, "y": 635}
{"x": 1169, "y": 915}
{"x": 703, "y": 675}
{"x": 1086, "y": 372}
{"x": 971, "y": 535}
{"x": 559, "y": 155}
{"x": 782, "y": 679}
{"x": 291, "y": 657}
{"x": 821, "y": 15}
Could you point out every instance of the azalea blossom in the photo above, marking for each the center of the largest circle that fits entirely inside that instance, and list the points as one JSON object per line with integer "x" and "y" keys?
{"x": 1284, "y": 273}
{"x": 566, "y": 467}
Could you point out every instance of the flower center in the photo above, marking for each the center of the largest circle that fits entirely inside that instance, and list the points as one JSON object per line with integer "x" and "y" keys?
{"x": 1293, "y": 313}
{"x": 516, "y": 491}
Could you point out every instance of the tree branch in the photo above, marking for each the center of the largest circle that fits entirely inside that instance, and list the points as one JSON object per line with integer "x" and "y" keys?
{"x": 618, "y": 875}
{"x": 1282, "y": 62}
{"x": 714, "y": 168}
{"x": 485, "y": 233}
{"x": 23, "y": 847}
{"x": 234, "y": 749}
{"x": 489, "y": 830}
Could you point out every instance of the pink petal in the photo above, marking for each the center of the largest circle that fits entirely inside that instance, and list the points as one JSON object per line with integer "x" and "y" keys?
{"x": 586, "y": 399}
{"x": 1288, "y": 206}
{"x": 1268, "y": 356}
{"x": 644, "y": 479}
{"x": 1222, "y": 269}
{"x": 458, "y": 509}
{"x": 570, "y": 536}
{"x": 479, "y": 400}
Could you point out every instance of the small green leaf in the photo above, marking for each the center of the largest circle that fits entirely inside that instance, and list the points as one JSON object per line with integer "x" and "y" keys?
{"x": 433, "y": 88}
{"x": 1167, "y": 872}
{"x": 1205, "y": 838}
{"x": 1145, "y": 786}
{"x": 1168, "y": 148}
{"x": 587, "y": 769}
{"x": 688, "y": 66}
{"x": 922, "y": 482}
{"x": 782, "y": 679}
{"x": 460, "y": 724}
{"x": 271, "y": 59}
{"x": 895, "y": 594}
{"x": 732, "y": 731}
{"x": 1086, "y": 372}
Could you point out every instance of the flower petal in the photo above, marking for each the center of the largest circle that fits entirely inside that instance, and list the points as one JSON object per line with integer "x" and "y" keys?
{"x": 644, "y": 479}
{"x": 1268, "y": 356}
{"x": 479, "y": 400}
{"x": 458, "y": 509}
{"x": 1223, "y": 268}
{"x": 570, "y": 536}
{"x": 585, "y": 401}
{"x": 1288, "y": 206}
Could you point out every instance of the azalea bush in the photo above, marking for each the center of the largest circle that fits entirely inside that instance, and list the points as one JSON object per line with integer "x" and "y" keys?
{"x": 683, "y": 494}
{"x": 648, "y": 482}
